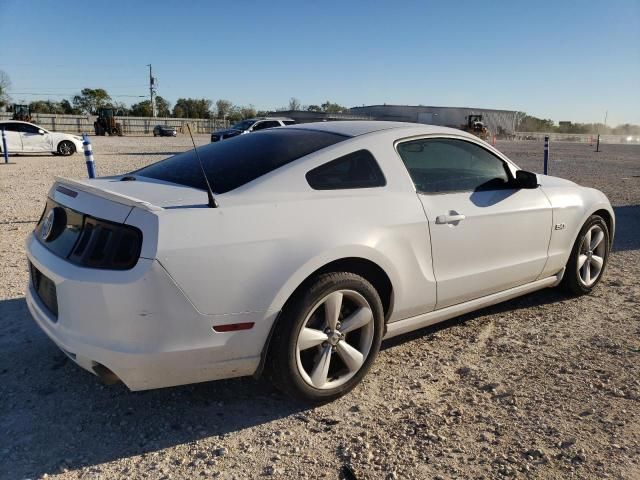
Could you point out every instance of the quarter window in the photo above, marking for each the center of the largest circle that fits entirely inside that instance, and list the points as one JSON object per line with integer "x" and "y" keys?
{"x": 440, "y": 165}
{"x": 355, "y": 170}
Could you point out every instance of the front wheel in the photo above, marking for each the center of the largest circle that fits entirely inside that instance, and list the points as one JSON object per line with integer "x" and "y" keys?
{"x": 66, "y": 148}
{"x": 327, "y": 337}
{"x": 588, "y": 258}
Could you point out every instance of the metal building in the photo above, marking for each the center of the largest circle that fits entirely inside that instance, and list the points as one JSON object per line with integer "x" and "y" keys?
{"x": 495, "y": 120}
{"x": 304, "y": 116}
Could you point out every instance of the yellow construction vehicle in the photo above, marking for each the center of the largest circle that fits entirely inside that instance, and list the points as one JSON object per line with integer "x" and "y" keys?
{"x": 475, "y": 126}
{"x": 106, "y": 123}
{"x": 21, "y": 113}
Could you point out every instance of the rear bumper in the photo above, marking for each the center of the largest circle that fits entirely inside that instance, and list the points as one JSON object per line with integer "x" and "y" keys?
{"x": 140, "y": 326}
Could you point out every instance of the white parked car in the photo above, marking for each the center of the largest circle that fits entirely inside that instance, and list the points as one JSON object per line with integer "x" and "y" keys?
{"x": 322, "y": 240}
{"x": 25, "y": 137}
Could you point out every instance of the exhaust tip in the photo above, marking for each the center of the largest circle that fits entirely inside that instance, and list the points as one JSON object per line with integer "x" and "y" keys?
{"x": 106, "y": 375}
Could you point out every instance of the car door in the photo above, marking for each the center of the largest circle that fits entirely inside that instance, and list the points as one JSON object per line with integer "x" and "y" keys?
{"x": 486, "y": 234}
{"x": 12, "y": 136}
{"x": 33, "y": 140}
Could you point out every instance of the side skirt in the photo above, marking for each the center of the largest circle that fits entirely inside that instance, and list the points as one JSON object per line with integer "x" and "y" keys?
{"x": 420, "y": 321}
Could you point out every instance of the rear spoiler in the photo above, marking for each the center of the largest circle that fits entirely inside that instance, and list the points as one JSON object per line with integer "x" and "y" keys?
{"x": 108, "y": 194}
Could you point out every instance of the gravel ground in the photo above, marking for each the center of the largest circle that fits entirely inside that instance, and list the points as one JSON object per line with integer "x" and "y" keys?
{"x": 544, "y": 386}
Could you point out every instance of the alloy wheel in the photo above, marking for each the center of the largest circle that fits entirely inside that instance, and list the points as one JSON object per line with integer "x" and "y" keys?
{"x": 591, "y": 256}
{"x": 65, "y": 148}
{"x": 335, "y": 339}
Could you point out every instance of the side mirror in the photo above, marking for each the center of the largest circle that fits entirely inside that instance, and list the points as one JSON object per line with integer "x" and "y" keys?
{"x": 526, "y": 179}
{"x": 41, "y": 132}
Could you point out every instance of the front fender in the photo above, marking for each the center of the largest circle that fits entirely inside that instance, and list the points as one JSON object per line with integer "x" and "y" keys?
{"x": 572, "y": 206}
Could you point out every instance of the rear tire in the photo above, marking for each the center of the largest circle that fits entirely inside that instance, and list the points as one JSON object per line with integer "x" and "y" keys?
{"x": 66, "y": 148}
{"x": 589, "y": 257}
{"x": 326, "y": 338}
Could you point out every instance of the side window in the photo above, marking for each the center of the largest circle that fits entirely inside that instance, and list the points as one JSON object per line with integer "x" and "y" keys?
{"x": 441, "y": 165}
{"x": 266, "y": 124}
{"x": 270, "y": 124}
{"x": 28, "y": 128}
{"x": 355, "y": 170}
{"x": 10, "y": 127}
{"x": 289, "y": 122}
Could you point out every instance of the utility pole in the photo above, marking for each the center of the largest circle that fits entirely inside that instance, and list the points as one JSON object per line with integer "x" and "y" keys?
{"x": 152, "y": 91}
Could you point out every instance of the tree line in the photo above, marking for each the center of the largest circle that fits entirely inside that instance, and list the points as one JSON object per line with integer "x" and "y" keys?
{"x": 89, "y": 100}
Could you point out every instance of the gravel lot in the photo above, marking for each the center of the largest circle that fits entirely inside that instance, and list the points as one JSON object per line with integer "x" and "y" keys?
{"x": 545, "y": 386}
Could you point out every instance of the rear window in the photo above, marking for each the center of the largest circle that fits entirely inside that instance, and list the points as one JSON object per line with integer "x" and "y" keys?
{"x": 355, "y": 170}
{"x": 239, "y": 160}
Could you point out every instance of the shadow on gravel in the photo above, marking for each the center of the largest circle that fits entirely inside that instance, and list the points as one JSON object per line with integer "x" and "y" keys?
{"x": 55, "y": 415}
{"x": 627, "y": 236}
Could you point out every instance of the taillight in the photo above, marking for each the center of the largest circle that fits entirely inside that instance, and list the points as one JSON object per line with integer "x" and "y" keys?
{"x": 107, "y": 245}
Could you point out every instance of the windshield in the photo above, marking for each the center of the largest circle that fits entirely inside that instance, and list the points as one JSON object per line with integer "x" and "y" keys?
{"x": 239, "y": 160}
{"x": 243, "y": 125}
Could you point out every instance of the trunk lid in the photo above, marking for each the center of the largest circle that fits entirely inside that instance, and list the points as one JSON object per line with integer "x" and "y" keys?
{"x": 113, "y": 199}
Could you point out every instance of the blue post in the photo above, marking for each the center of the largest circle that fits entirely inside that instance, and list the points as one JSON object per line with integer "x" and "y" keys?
{"x": 88, "y": 155}
{"x": 546, "y": 154}
{"x": 4, "y": 147}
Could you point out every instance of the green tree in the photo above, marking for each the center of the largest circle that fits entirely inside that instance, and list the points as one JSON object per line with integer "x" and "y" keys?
{"x": 67, "y": 108}
{"x": 5, "y": 85}
{"x": 294, "y": 103}
{"x": 90, "y": 99}
{"x": 533, "y": 124}
{"x": 163, "y": 107}
{"x": 143, "y": 109}
{"x": 119, "y": 109}
{"x": 192, "y": 108}
{"x": 42, "y": 106}
{"x": 313, "y": 108}
{"x": 235, "y": 115}
{"x": 223, "y": 108}
{"x": 248, "y": 112}
{"x": 330, "y": 107}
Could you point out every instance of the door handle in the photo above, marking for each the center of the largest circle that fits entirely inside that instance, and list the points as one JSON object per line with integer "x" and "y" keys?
{"x": 444, "y": 219}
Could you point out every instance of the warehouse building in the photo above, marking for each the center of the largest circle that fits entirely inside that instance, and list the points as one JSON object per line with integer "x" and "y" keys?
{"x": 497, "y": 121}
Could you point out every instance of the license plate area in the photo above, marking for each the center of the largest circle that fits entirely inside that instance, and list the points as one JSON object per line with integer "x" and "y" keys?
{"x": 45, "y": 289}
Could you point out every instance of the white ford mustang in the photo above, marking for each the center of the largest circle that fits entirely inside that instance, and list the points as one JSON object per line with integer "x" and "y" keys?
{"x": 25, "y": 137}
{"x": 322, "y": 240}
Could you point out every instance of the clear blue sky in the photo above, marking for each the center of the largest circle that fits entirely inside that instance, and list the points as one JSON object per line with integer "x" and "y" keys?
{"x": 565, "y": 60}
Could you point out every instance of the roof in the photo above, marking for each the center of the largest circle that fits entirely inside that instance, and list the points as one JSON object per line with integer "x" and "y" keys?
{"x": 354, "y": 128}
{"x": 427, "y": 107}
{"x": 255, "y": 119}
